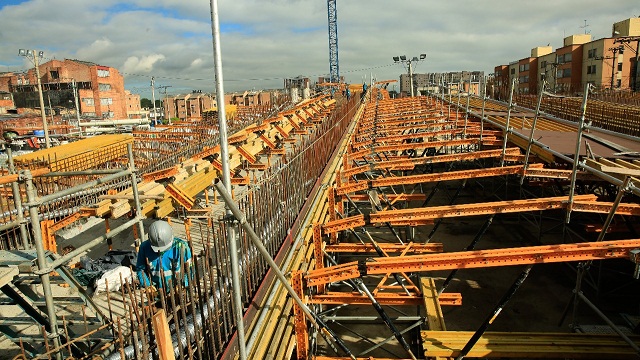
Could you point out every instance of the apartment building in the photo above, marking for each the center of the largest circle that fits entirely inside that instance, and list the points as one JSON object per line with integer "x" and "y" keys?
{"x": 100, "y": 89}
{"x": 132, "y": 101}
{"x": 188, "y": 107}
{"x": 569, "y": 64}
{"x": 547, "y": 70}
{"x": 6, "y": 102}
{"x": 430, "y": 81}
{"x": 501, "y": 83}
{"x": 608, "y": 63}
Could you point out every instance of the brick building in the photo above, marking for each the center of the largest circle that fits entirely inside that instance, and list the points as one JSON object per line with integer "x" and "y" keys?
{"x": 132, "y": 102}
{"x": 100, "y": 88}
{"x": 190, "y": 107}
{"x": 607, "y": 63}
{"x": 430, "y": 81}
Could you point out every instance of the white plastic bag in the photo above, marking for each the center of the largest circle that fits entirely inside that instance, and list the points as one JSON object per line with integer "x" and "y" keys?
{"x": 112, "y": 278}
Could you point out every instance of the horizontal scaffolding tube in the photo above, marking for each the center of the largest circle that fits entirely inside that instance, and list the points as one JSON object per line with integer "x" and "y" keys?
{"x": 64, "y": 259}
{"x": 62, "y": 193}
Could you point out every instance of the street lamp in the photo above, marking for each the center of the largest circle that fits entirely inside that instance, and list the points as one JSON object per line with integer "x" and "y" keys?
{"x": 33, "y": 57}
{"x": 409, "y": 62}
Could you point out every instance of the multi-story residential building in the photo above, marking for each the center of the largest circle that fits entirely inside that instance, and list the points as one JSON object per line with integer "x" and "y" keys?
{"x": 431, "y": 81}
{"x": 133, "y": 105}
{"x": 548, "y": 70}
{"x": 6, "y": 102}
{"x": 188, "y": 107}
{"x": 527, "y": 71}
{"x": 100, "y": 89}
{"x": 250, "y": 98}
{"x": 569, "y": 60}
{"x": 501, "y": 84}
{"x": 608, "y": 63}
{"x": 604, "y": 65}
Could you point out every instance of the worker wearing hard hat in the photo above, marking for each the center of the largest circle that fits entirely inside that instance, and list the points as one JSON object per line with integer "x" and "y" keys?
{"x": 162, "y": 256}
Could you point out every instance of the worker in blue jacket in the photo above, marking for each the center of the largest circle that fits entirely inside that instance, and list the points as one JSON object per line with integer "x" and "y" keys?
{"x": 162, "y": 255}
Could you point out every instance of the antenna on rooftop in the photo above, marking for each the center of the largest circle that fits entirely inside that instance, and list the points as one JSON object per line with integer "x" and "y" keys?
{"x": 585, "y": 26}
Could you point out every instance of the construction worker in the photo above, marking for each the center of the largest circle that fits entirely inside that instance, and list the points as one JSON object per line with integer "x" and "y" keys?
{"x": 162, "y": 255}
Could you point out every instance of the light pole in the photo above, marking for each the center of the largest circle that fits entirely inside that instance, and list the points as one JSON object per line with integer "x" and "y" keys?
{"x": 31, "y": 55}
{"x": 403, "y": 59}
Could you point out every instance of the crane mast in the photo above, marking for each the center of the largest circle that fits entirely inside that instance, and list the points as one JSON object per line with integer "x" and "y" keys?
{"x": 334, "y": 70}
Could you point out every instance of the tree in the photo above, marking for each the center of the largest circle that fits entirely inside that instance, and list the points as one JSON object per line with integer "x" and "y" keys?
{"x": 146, "y": 103}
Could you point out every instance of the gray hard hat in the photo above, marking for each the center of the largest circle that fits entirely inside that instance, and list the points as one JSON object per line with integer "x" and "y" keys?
{"x": 160, "y": 236}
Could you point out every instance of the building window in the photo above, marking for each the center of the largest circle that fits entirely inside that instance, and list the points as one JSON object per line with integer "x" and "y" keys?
{"x": 543, "y": 64}
{"x": 560, "y": 59}
{"x": 526, "y": 67}
{"x": 104, "y": 87}
{"x": 88, "y": 101}
{"x": 513, "y": 71}
{"x": 541, "y": 77}
{"x": 619, "y": 83}
{"x": 54, "y": 74}
{"x": 591, "y": 69}
{"x": 107, "y": 115}
{"x": 521, "y": 68}
{"x": 619, "y": 66}
{"x": 106, "y": 101}
{"x": 88, "y": 114}
{"x": 567, "y": 57}
{"x": 103, "y": 73}
{"x": 567, "y": 72}
{"x": 591, "y": 53}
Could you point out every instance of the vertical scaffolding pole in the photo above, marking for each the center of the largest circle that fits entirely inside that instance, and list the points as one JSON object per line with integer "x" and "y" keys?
{"x": 136, "y": 194}
{"x": 226, "y": 179}
{"x": 41, "y": 260}
{"x": 506, "y": 125}
{"x": 576, "y": 157}
{"x": 533, "y": 129}
{"x": 17, "y": 200}
{"x": 466, "y": 113}
{"x": 484, "y": 104}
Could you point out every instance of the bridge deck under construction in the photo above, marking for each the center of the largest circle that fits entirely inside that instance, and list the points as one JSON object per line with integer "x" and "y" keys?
{"x": 424, "y": 227}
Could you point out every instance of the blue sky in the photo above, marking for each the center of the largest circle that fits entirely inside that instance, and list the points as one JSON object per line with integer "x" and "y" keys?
{"x": 265, "y": 41}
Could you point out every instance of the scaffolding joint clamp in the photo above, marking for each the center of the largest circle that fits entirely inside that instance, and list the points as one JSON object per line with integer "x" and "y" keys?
{"x": 362, "y": 267}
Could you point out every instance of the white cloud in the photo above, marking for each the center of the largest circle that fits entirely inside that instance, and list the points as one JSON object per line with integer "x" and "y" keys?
{"x": 133, "y": 64}
{"x": 264, "y": 41}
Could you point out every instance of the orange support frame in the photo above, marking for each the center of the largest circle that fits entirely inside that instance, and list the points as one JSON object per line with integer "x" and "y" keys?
{"x": 384, "y": 298}
{"x": 603, "y": 250}
{"x": 300, "y": 323}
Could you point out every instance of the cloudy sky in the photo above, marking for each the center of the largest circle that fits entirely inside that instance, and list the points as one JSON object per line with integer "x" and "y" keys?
{"x": 264, "y": 41}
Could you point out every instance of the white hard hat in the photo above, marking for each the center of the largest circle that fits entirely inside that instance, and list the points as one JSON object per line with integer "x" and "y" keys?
{"x": 160, "y": 236}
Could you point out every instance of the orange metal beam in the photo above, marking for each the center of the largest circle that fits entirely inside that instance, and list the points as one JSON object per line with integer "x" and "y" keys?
{"x": 475, "y": 259}
{"x": 412, "y": 146}
{"x": 435, "y": 177}
{"x": 410, "y": 163}
{"x": 387, "y": 248}
{"x": 498, "y": 207}
{"x": 437, "y": 212}
{"x": 393, "y": 299}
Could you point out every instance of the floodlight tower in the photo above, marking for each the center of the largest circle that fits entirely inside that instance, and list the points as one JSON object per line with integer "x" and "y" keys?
{"x": 403, "y": 59}
{"x": 332, "y": 14}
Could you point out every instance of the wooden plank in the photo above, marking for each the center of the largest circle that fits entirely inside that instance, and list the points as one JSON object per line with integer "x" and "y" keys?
{"x": 163, "y": 335}
{"x": 435, "y": 319}
{"x": 527, "y": 345}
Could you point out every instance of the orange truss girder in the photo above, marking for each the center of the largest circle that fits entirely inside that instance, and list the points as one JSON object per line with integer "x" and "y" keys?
{"x": 475, "y": 259}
